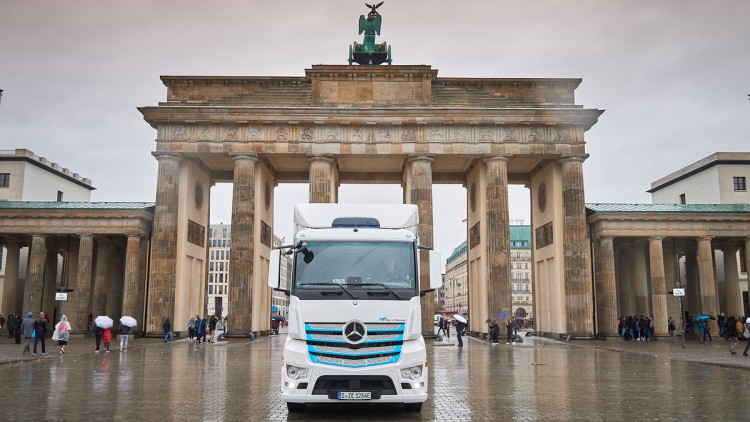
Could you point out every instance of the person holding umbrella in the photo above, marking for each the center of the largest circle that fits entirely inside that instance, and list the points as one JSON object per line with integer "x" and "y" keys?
{"x": 460, "y": 324}
{"x": 126, "y": 323}
{"x": 102, "y": 324}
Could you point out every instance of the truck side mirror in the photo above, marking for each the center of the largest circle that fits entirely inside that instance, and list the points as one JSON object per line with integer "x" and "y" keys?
{"x": 436, "y": 270}
{"x": 274, "y": 268}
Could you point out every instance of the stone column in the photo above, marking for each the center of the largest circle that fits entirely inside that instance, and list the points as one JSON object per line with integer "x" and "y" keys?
{"x": 420, "y": 175}
{"x": 115, "y": 280}
{"x": 693, "y": 284}
{"x": 242, "y": 251}
{"x": 132, "y": 270}
{"x": 732, "y": 280}
{"x": 82, "y": 293}
{"x": 102, "y": 280}
{"x": 50, "y": 282}
{"x": 625, "y": 280}
{"x": 706, "y": 276}
{"x": 32, "y": 299}
{"x": 164, "y": 244}
{"x": 658, "y": 286}
{"x": 500, "y": 298}
{"x": 640, "y": 280}
{"x": 606, "y": 288}
{"x": 323, "y": 179}
{"x": 578, "y": 290}
{"x": 13, "y": 248}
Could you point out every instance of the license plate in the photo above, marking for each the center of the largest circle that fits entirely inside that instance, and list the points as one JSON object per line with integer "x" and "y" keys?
{"x": 355, "y": 395}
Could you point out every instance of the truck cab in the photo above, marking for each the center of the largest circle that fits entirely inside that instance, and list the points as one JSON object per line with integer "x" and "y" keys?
{"x": 355, "y": 331}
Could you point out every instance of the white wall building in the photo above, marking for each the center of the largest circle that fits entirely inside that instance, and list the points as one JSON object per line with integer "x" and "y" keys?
{"x": 720, "y": 178}
{"x": 25, "y": 176}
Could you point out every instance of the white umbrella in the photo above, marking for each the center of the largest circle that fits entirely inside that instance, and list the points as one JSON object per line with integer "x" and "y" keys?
{"x": 128, "y": 321}
{"x": 460, "y": 318}
{"x": 103, "y": 321}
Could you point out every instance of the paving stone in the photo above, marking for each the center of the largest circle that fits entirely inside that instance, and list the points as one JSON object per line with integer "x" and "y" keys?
{"x": 538, "y": 380}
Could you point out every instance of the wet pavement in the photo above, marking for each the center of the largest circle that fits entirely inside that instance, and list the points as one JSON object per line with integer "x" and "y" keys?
{"x": 539, "y": 379}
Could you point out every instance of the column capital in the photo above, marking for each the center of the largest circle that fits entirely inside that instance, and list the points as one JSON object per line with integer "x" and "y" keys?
{"x": 572, "y": 158}
{"x": 321, "y": 157}
{"x": 136, "y": 235}
{"x": 421, "y": 157}
{"x": 605, "y": 238}
{"x": 496, "y": 157}
{"x": 655, "y": 238}
{"x": 85, "y": 235}
{"x": 244, "y": 156}
{"x": 166, "y": 155}
{"x": 704, "y": 238}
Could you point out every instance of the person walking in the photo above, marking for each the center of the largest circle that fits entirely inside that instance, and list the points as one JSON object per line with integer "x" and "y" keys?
{"x": 509, "y": 331}
{"x": 747, "y": 327}
{"x": 107, "y": 338}
{"x": 40, "y": 331}
{"x": 447, "y": 329}
{"x": 167, "y": 327}
{"x": 63, "y": 332}
{"x": 459, "y": 329}
{"x": 27, "y": 329}
{"x": 731, "y": 332}
{"x": 707, "y": 330}
{"x": 2, "y": 323}
{"x": 191, "y": 329}
{"x": 98, "y": 333}
{"x": 212, "y": 328}
{"x": 123, "y": 336}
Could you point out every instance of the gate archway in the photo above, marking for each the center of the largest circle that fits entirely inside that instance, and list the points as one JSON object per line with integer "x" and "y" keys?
{"x": 368, "y": 124}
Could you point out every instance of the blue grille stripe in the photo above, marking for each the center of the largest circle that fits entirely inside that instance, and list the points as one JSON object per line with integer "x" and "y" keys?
{"x": 393, "y": 359}
{"x": 353, "y": 352}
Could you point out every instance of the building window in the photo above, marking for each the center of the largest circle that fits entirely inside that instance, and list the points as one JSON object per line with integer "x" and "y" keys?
{"x": 682, "y": 199}
{"x": 4, "y": 180}
{"x": 739, "y": 183}
{"x": 59, "y": 196}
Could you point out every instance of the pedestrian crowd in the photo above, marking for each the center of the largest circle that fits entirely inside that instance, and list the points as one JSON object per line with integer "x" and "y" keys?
{"x": 731, "y": 328}
{"x": 202, "y": 330}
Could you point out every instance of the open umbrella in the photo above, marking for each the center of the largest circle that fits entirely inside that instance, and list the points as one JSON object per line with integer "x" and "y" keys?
{"x": 503, "y": 314}
{"x": 460, "y": 318}
{"x": 103, "y": 321}
{"x": 702, "y": 317}
{"x": 488, "y": 320}
{"x": 128, "y": 321}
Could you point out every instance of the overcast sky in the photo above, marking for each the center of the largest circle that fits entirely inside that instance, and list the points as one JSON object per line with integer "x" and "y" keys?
{"x": 672, "y": 75}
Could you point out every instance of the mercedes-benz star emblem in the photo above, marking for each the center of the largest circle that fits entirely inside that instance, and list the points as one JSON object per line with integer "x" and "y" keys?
{"x": 355, "y": 332}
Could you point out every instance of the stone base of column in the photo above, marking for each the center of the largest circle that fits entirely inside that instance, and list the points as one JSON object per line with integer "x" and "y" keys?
{"x": 160, "y": 334}
{"x": 564, "y": 336}
{"x": 245, "y": 335}
{"x": 609, "y": 337}
{"x": 428, "y": 335}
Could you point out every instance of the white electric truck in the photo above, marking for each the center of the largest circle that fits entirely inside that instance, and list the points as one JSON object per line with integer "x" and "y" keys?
{"x": 355, "y": 327}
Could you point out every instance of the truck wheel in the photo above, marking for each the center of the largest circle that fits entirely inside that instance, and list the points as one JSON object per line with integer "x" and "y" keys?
{"x": 295, "y": 407}
{"x": 413, "y": 407}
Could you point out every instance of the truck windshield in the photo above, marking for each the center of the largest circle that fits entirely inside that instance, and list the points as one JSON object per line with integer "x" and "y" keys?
{"x": 369, "y": 270}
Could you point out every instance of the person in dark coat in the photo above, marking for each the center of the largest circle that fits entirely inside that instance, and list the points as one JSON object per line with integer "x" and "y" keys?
{"x": 212, "y": 328}
{"x": 2, "y": 324}
{"x": 98, "y": 333}
{"x": 494, "y": 332}
{"x": 167, "y": 327}
{"x": 459, "y": 330}
{"x": 731, "y": 332}
{"x": 17, "y": 330}
{"x": 27, "y": 328}
{"x": 40, "y": 330}
{"x": 11, "y": 326}
{"x": 509, "y": 330}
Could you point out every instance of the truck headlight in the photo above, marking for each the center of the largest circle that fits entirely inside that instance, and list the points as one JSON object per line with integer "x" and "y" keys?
{"x": 296, "y": 372}
{"x": 412, "y": 373}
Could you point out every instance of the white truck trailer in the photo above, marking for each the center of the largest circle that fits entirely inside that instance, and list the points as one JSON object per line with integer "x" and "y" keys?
{"x": 355, "y": 327}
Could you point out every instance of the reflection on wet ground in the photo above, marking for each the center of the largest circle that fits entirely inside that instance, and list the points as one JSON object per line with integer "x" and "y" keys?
{"x": 537, "y": 380}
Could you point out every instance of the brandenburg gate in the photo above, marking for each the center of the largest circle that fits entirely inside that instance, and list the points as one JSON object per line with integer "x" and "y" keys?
{"x": 372, "y": 124}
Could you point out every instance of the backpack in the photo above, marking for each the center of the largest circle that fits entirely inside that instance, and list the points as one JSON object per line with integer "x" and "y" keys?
{"x": 746, "y": 333}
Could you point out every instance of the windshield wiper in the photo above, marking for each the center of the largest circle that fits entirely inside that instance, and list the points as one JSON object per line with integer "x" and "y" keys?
{"x": 329, "y": 284}
{"x": 383, "y": 285}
